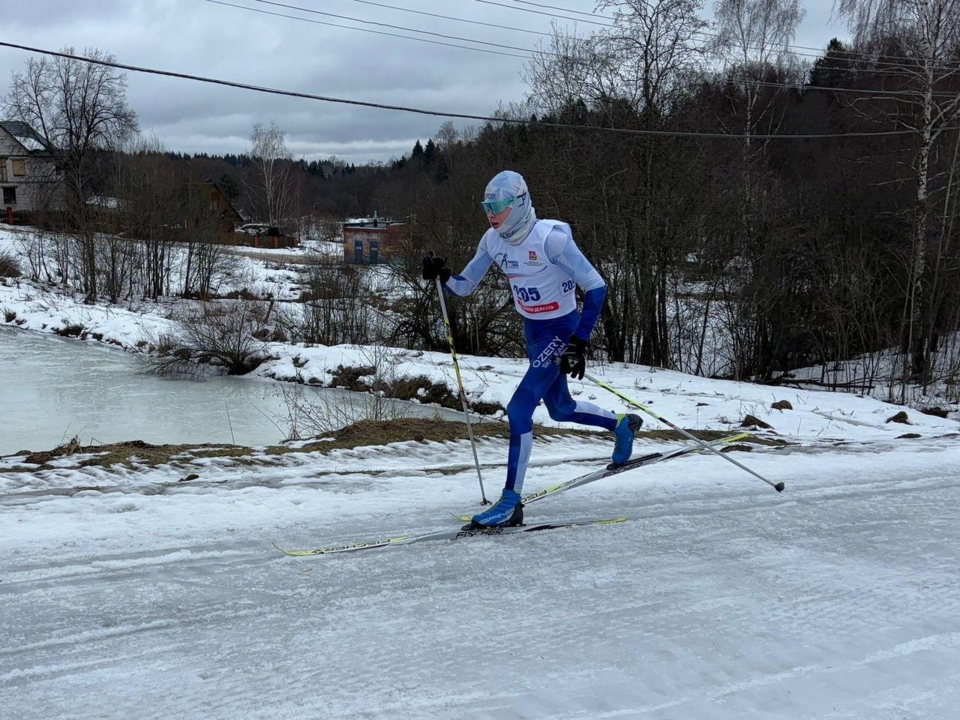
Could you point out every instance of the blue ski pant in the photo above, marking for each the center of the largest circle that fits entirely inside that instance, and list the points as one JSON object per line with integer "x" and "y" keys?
{"x": 543, "y": 380}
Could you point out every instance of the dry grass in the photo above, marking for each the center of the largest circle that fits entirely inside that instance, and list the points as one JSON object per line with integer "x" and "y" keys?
{"x": 134, "y": 453}
{"x": 137, "y": 453}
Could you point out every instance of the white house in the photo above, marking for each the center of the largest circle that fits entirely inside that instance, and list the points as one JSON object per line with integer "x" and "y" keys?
{"x": 27, "y": 172}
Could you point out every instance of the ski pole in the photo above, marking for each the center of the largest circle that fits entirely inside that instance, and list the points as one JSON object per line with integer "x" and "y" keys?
{"x": 640, "y": 406}
{"x": 463, "y": 394}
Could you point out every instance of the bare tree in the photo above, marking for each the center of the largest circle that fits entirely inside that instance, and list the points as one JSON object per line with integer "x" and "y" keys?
{"x": 926, "y": 34}
{"x": 337, "y": 309}
{"x": 754, "y": 37}
{"x": 447, "y": 136}
{"x": 206, "y": 257}
{"x": 753, "y": 43}
{"x": 569, "y": 68}
{"x": 639, "y": 60}
{"x": 651, "y": 47}
{"x": 271, "y": 188}
{"x": 148, "y": 190}
{"x": 630, "y": 76}
{"x": 78, "y": 108}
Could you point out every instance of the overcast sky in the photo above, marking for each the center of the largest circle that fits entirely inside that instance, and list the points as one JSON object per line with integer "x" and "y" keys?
{"x": 202, "y": 38}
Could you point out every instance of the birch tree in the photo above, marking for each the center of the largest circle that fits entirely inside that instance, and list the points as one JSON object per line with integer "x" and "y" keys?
{"x": 271, "y": 189}
{"x": 927, "y": 35}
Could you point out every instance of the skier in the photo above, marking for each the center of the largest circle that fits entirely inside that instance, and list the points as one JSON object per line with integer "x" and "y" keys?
{"x": 544, "y": 267}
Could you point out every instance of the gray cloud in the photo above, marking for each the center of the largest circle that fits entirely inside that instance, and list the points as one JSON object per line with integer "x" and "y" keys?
{"x": 201, "y": 38}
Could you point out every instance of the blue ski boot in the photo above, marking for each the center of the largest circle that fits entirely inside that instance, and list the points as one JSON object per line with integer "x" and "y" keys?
{"x": 627, "y": 427}
{"x": 506, "y": 512}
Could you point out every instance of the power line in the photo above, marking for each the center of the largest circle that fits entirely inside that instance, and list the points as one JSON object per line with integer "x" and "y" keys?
{"x": 388, "y": 25}
{"x": 537, "y": 12}
{"x": 865, "y": 91}
{"x": 821, "y": 53}
{"x": 448, "y": 17}
{"x": 567, "y": 10}
{"x": 410, "y": 29}
{"x": 447, "y": 114}
{"x": 367, "y": 30}
{"x": 464, "y": 47}
{"x": 896, "y": 68}
{"x": 847, "y": 52}
{"x": 791, "y": 86}
{"x": 804, "y": 88}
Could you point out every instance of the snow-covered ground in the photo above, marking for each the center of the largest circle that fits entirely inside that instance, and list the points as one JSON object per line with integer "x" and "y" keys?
{"x": 261, "y": 272}
{"x": 880, "y": 372}
{"x": 691, "y": 401}
{"x": 153, "y": 598}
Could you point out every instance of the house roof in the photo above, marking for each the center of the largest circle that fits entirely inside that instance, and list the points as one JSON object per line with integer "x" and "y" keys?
{"x": 104, "y": 201}
{"x": 374, "y": 223}
{"x": 26, "y": 136}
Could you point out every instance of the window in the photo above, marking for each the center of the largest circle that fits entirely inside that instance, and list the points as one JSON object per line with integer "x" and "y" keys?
{"x": 3, "y": 170}
{"x": 9, "y": 196}
{"x": 358, "y": 251}
{"x": 19, "y": 167}
{"x": 374, "y": 252}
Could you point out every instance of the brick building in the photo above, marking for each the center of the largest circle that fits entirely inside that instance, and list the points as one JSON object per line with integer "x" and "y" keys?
{"x": 372, "y": 240}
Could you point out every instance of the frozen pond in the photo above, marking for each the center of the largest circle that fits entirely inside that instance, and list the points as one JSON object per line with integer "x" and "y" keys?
{"x": 52, "y": 389}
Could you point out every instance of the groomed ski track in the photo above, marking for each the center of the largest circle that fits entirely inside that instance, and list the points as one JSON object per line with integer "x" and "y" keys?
{"x": 720, "y": 598}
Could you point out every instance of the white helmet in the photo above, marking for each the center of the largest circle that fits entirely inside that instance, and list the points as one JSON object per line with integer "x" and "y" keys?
{"x": 509, "y": 189}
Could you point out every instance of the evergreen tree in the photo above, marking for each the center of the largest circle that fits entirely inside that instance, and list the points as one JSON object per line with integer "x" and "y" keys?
{"x": 831, "y": 69}
{"x": 229, "y": 186}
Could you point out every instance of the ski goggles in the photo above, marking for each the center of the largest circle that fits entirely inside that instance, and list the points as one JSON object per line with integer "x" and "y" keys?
{"x": 495, "y": 207}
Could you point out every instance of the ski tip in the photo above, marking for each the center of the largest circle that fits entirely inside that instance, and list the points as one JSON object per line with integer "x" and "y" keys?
{"x": 779, "y": 486}
{"x": 285, "y": 552}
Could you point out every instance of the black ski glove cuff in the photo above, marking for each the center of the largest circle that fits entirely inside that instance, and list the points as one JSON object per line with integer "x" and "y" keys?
{"x": 434, "y": 268}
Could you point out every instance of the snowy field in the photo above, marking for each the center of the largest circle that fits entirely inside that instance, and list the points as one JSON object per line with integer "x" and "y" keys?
{"x": 153, "y": 598}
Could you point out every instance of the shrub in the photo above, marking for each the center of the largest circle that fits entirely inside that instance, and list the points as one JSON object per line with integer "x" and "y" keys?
{"x": 9, "y": 267}
{"x": 72, "y": 330}
{"x": 221, "y": 335}
{"x": 241, "y": 294}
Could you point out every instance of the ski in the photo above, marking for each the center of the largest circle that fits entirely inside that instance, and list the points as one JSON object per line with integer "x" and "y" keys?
{"x": 460, "y": 534}
{"x": 609, "y": 470}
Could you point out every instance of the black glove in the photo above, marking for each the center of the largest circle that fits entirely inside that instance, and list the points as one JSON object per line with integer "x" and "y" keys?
{"x": 573, "y": 359}
{"x": 434, "y": 267}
